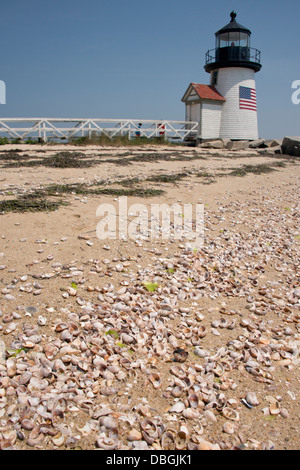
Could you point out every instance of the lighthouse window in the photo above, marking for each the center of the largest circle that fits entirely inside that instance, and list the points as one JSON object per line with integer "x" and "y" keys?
{"x": 223, "y": 40}
{"x": 214, "y": 78}
{"x": 234, "y": 39}
{"x": 244, "y": 38}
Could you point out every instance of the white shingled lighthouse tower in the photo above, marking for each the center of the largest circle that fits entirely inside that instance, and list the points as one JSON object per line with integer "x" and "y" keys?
{"x": 227, "y": 109}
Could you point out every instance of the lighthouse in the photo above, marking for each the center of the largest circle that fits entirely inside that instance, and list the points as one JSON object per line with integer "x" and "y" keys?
{"x": 227, "y": 107}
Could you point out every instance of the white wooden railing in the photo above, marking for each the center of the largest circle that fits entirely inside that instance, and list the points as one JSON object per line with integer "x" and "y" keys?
{"x": 65, "y": 129}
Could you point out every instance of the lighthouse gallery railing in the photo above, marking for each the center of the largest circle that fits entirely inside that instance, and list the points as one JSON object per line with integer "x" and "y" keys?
{"x": 233, "y": 53}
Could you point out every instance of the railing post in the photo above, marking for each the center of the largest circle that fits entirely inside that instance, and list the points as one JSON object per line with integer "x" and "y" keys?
{"x": 44, "y": 132}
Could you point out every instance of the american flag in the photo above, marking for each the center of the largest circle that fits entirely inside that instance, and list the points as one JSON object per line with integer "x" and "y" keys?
{"x": 247, "y": 98}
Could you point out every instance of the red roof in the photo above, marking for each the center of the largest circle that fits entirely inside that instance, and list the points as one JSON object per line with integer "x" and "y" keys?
{"x": 207, "y": 92}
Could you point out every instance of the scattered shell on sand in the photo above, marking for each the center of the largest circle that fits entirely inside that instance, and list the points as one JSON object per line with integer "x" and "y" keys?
{"x": 90, "y": 358}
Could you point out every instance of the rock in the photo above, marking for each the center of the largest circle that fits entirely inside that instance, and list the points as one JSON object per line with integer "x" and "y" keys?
{"x": 225, "y": 142}
{"x": 291, "y": 146}
{"x": 259, "y": 143}
{"x": 237, "y": 145}
{"x": 273, "y": 142}
{"x": 213, "y": 144}
{"x": 270, "y": 150}
{"x": 277, "y": 149}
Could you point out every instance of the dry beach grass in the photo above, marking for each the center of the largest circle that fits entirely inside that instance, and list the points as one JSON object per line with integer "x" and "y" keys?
{"x": 92, "y": 359}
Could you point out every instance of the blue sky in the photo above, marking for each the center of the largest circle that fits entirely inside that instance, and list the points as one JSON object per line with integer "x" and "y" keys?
{"x": 135, "y": 59}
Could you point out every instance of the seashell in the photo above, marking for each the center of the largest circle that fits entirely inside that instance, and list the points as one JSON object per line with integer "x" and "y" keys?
{"x": 177, "y": 391}
{"x": 125, "y": 363}
{"x": 221, "y": 401}
{"x": 208, "y": 395}
{"x": 223, "y": 322}
{"x": 230, "y": 413}
{"x": 7, "y": 318}
{"x": 60, "y": 404}
{"x": 35, "y": 437}
{"x": 181, "y": 438}
{"x": 178, "y": 371}
{"x": 274, "y": 406}
{"x": 180, "y": 355}
{"x": 134, "y": 435}
{"x": 57, "y": 416}
{"x": 127, "y": 339}
{"x": 215, "y": 332}
{"x": 173, "y": 341}
{"x": 50, "y": 350}
{"x": 193, "y": 400}
{"x": 192, "y": 446}
{"x": 107, "y": 391}
{"x": 219, "y": 369}
{"x": 113, "y": 368}
{"x": 41, "y": 321}
{"x": 66, "y": 336}
{"x": 210, "y": 415}
{"x": 251, "y": 399}
{"x": 60, "y": 327}
{"x": 25, "y": 377}
{"x": 191, "y": 413}
{"x": 202, "y": 331}
{"x": 244, "y": 322}
{"x": 10, "y": 436}
{"x": 187, "y": 333}
{"x": 201, "y": 352}
{"x": 155, "y": 379}
{"x": 109, "y": 422}
{"x": 150, "y": 440}
{"x": 160, "y": 349}
{"x": 284, "y": 413}
{"x": 10, "y": 328}
{"x": 198, "y": 431}
{"x": 73, "y": 328}
{"x": 229, "y": 427}
{"x": 231, "y": 325}
{"x": 150, "y": 430}
{"x": 71, "y": 291}
{"x": 58, "y": 440}
{"x": 144, "y": 410}
{"x": 27, "y": 424}
{"x": 106, "y": 443}
{"x": 11, "y": 367}
{"x": 121, "y": 375}
{"x": 168, "y": 440}
{"x": 206, "y": 445}
{"x": 178, "y": 407}
{"x": 232, "y": 402}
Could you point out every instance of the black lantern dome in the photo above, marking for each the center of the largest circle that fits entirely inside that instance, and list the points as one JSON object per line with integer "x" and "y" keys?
{"x": 233, "y": 48}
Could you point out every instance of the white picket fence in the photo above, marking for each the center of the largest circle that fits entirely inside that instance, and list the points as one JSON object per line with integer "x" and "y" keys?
{"x": 65, "y": 129}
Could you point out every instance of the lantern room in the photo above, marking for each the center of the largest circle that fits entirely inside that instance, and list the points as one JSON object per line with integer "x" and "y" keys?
{"x": 233, "y": 48}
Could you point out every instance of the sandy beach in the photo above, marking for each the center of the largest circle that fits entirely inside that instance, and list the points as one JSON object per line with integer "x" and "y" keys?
{"x": 207, "y": 357}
